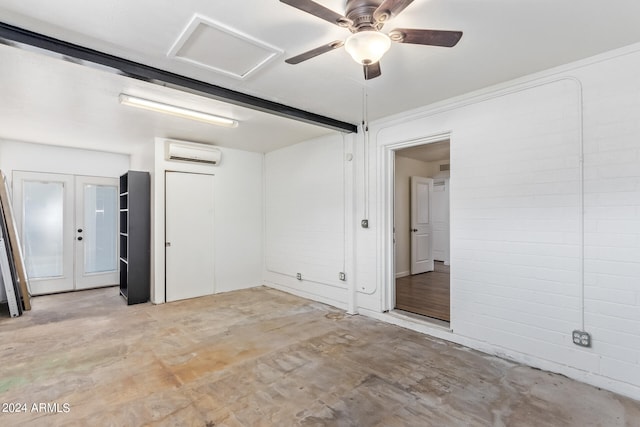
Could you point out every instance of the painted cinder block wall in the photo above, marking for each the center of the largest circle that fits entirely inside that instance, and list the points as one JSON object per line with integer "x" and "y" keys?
{"x": 527, "y": 266}
{"x": 306, "y": 210}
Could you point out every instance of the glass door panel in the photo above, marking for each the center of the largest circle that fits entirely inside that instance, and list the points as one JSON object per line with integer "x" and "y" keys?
{"x": 44, "y": 214}
{"x": 96, "y": 232}
{"x": 43, "y": 228}
{"x": 100, "y": 228}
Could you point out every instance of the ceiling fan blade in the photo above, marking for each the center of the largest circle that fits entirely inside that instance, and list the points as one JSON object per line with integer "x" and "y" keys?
{"x": 427, "y": 37}
{"x": 372, "y": 71}
{"x": 320, "y": 11}
{"x": 390, "y": 8}
{"x": 314, "y": 52}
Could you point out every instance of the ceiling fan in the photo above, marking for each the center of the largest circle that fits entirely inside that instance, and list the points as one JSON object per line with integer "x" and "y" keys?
{"x": 367, "y": 44}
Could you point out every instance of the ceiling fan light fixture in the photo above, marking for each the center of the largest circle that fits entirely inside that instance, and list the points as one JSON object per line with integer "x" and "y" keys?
{"x": 367, "y": 47}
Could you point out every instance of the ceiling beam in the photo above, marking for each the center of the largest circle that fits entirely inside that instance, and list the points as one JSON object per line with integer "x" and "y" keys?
{"x": 167, "y": 79}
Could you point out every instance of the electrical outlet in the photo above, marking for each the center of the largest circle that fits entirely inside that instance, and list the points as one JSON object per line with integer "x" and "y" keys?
{"x": 299, "y": 276}
{"x": 582, "y": 338}
{"x": 364, "y": 223}
{"x": 342, "y": 276}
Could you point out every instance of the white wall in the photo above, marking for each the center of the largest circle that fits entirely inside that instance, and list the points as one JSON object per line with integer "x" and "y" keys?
{"x": 516, "y": 229}
{"x": 515, "y": 203}
{"x": 24, "y": 156}
{"x": 515, "y": 218}
{"x": 143, "y": 158}
{"x": 305, "y": 209}
{"x": 238, "y": 222}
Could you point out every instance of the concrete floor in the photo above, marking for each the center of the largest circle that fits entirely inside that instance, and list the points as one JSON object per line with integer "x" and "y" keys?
{"x": 264, "y": 358}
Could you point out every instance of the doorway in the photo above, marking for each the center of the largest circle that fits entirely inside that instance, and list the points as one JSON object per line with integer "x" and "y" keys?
{"x": 69, "y": 227}
{"x": 421, "y": 230}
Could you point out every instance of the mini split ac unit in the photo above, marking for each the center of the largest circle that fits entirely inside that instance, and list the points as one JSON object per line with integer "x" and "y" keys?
{"x": 192, "y": 153}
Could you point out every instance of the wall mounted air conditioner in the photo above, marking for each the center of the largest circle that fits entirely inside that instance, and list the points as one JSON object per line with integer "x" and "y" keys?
{"x": 199, "y": 153}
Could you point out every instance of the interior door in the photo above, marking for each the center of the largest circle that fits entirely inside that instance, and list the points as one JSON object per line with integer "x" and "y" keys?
{"x": 68, "y": 226}
{"x": 96, "y": 229}
{"x": 189, "y": 238}
{"x": 421, "y": 227}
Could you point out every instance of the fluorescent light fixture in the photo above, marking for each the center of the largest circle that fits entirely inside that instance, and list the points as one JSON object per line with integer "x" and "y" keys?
{"x": 173, "y": 110}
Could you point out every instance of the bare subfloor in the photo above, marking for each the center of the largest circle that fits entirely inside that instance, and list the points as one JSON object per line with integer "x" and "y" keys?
{"x": 264, "y": 358}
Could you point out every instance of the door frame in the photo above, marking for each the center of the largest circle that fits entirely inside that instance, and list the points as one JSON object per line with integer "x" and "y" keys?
{"x": 386, "y": 194}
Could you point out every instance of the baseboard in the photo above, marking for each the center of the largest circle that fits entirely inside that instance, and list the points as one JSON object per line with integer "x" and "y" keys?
{"x": 402, "y": 274}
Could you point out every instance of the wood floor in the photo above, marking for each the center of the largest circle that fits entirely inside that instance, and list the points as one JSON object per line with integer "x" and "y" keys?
{"x": 427, "y": 294}
{"x": 261, "y": 357}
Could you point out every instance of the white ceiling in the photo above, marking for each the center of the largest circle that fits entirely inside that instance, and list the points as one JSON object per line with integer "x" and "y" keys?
{"x": 52, "y": 101}
{"x": 434, "y": 152}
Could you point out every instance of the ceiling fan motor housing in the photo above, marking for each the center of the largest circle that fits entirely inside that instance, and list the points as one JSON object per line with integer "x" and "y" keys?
{"x": 360, "y": 12}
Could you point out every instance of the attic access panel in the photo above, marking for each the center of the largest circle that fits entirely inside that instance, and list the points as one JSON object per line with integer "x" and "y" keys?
{"x": 213, "y": 46}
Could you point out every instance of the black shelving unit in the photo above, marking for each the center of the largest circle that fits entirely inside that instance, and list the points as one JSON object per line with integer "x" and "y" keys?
{"x": 135, "y": 237}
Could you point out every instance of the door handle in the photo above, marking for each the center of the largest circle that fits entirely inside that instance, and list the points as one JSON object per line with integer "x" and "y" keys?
{"x": 79, "y": 237}
{"x": 79, "y": 230}
{"x": 167, "y": 244}
{"x": 415, "y": 230}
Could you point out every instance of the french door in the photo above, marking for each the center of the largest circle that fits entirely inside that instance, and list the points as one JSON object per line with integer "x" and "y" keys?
{"x": 68, "y": 226}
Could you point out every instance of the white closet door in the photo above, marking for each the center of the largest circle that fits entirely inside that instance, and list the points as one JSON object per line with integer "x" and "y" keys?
{"x": 189, "y": 235}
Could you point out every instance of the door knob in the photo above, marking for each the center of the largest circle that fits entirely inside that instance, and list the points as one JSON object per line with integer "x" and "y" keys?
{"x": 79, "y": 230}
{"x": 415, "y": 230}
{"x": 79, "y": 237}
